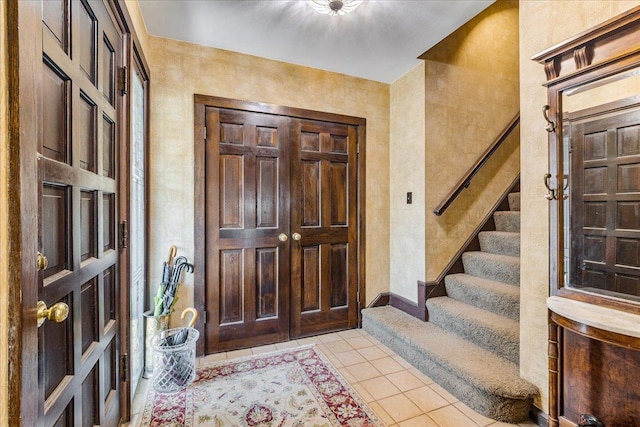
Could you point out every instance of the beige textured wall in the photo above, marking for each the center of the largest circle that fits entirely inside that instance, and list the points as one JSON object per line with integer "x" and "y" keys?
{"x": 407, "y": 173}
{"x": 471, "y": 95}
{"x": 4, "y": 247}
{"x": 181, "y": 70}
{"x": 542, "y": 24}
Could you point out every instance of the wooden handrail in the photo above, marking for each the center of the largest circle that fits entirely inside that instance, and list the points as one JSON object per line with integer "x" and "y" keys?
{"x": 466, "y": 179}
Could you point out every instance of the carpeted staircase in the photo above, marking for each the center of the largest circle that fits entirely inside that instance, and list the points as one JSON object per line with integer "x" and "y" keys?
{"x": 470, "y": 346}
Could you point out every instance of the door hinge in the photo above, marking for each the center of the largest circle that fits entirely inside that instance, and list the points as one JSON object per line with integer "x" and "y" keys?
{"x": 123, "y": 80}
{"x": 124, "y": 367}
{"x": 205, "y": 133}
{"x": 358, "y": 148}
{"x": 204, "y": 316}
{"x": 124, "y": 234}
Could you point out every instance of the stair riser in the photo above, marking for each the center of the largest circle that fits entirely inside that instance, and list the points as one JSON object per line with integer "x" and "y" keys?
{"x": 503, "y": 344}
{"x": 500, "y": 244}
{"x": 500, "y": 271}
{"x": 490, "y": 405}
{"x": 507, "y": 221}
{"x": 503, "y": 305}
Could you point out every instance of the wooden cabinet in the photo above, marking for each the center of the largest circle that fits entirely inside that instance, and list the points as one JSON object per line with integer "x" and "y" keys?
{"x": 594, "y": 362}
{"x": 593, "y": 82}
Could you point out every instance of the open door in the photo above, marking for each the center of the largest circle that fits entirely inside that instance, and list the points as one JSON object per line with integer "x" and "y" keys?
{"x": 71, "y": 55}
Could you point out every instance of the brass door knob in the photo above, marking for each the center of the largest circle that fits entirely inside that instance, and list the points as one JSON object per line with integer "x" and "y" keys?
{"x": 282, "y": 237}
{"x": 41, "y": 261}
{"x": 296, "y": 237}
{"x": 57, "y": 313}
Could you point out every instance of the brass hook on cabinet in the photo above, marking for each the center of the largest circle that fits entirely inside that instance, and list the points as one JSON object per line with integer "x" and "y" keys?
{"x": 551, "y": 195}
{"x": 551, "y": 125}
{"x": 565, "y": 179}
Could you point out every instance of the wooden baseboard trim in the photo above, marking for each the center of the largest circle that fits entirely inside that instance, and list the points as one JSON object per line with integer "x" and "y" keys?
{"x": 539, "y": 417}
{"x": 381, "y": 300}
{"x": 401, "y": 303}
{"x": 418, "y": 310}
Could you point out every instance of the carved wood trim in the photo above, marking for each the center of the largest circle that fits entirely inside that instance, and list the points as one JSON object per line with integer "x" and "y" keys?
{"x": 581, "y": 58}
{"x": 610, "y": 41}
{"x": 551, "y": 69}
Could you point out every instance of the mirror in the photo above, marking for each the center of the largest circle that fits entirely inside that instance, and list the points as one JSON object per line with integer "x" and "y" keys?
{"x": 600, "y": 162}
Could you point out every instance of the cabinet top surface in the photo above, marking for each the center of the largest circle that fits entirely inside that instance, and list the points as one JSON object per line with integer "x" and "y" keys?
{"x": 604, "y": 318}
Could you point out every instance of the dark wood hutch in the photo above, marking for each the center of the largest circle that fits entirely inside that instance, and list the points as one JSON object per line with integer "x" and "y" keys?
{"x": 593, "y": 120}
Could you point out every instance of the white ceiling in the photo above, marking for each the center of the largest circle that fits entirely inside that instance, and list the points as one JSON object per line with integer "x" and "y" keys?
{"x": 380, "y": 40}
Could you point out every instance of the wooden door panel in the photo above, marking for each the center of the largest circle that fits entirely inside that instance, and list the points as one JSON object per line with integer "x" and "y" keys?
{"x": 55, "y": 243}
{"x": 339, "y": 282}
{"x": 55, "y": 95}
{"x": 310, "y": 171}
{"x": 247, "y": 183}
{"x": 266, "y": 283}
{"x": 57, "y": 361}
{"x": 231, "y": 191}
{"x": 310, "y": 278}
{"x": 267, "y": 192}
{"x": 339, "y": 189}
{"x": 78, "y": 358}
{"x": 54, "y": 16}
{"x": 85, "y": 44}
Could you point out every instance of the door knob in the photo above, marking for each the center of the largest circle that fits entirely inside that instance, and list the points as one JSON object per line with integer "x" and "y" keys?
{"x": 57, "y": 313}
{"x": 41, "y": 261}
{"x": 282, "y": 237}
{"x": 296, "y": 237}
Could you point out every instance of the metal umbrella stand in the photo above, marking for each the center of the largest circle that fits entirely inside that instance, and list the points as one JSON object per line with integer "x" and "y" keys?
{"x": 174, "y": 356}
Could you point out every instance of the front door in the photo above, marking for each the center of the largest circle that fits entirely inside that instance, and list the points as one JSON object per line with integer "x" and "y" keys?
{"x": 78, "y": 148}
{"x": 280, "y": 224}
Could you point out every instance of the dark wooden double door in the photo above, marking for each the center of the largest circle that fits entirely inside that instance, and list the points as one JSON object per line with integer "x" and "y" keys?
{"x": 281, "y": 227}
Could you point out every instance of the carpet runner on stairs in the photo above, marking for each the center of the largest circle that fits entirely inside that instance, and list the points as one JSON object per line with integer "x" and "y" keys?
{"x": 470, "y": 345}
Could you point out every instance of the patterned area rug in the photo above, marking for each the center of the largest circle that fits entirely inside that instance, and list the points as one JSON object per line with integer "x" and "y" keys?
{"x": 295, "y": 387}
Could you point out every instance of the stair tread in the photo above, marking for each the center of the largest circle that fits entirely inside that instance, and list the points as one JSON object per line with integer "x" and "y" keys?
{"x": 484, "y": 369}
{"x": 491, "y": 331}
{"x": 491, "y": 295}
{"x": 503, "y": 268}
{"x": 471, "y": 313}
{"x": 495, "y": 257}
{"x": 487, "y": 285}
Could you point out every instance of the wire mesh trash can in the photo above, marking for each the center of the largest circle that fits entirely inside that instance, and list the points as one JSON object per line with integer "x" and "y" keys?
{"x": 174, "y": 359}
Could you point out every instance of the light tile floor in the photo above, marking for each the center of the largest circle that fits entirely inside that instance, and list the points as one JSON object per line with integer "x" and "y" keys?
{"x": 401, "y": 395}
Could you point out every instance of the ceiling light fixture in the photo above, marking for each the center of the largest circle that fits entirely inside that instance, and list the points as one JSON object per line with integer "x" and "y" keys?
{"x": 335, "y": 7}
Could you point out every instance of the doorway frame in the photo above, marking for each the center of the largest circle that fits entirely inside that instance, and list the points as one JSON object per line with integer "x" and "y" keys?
{"x": 199, "y": 138}
{"x": 23, "y": 62}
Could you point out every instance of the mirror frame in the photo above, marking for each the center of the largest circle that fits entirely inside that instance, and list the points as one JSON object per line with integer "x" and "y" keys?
{"x": 602, "y": 51}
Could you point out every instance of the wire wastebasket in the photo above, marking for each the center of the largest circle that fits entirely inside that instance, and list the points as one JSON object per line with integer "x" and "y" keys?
{"x": 174, "y": 359}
